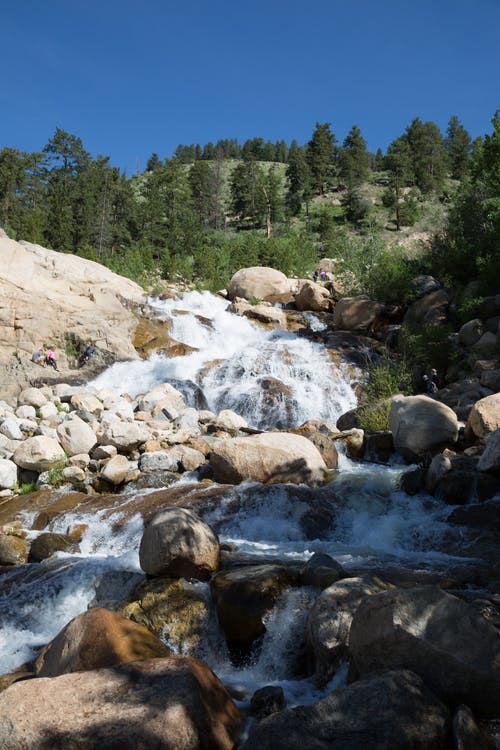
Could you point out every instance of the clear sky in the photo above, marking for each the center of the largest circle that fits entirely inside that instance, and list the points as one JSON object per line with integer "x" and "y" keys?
{"x": 133, "y": 77}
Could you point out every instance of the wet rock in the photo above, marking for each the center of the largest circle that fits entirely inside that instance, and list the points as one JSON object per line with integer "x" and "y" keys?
{"x": 467, "y": 735}
{"x": 258, "y": 282}
{"x": 171, "y": 609}
{"x": 38, "y": 454}
{"x": 360, "y": 314}
{"x": 269, "y": 457}
{"x": 267, "y": 700}
{"x": 418, "y": 629}
{"x": 172, "y": 703}
{"x": 419, "y": 424}
{"x": 47, "y": 544}
{"x": 242, "y": 597}
{"x": 329, "y": 623}
{"x": 490, "y": 459}
{"x": 351, "y": 718}
{"x": 13, "y": 550}
{"x": 379, "y": 446}
{"x": 482, "y": 515}
{"x": 97, "y": 638}
{"x": 321, "y": 571}
{"x": 178, "y": 544}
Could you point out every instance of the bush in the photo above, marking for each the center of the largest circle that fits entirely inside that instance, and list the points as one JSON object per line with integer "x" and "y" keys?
{"x": 385, "y": 379}
{"x": 426, "y": 345}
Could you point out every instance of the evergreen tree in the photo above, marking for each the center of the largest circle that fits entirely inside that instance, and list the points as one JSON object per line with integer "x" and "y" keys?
{"x": 299, "y": 179}
{"x": 154, "y": 162}
{"x": 248, "y": 200}
{"x": 398, "y": 163}
{"x": 428, "y": 157}
{"x": 322, "y": 157}
{"x": 199, "y": 181}
{"x": 458, "y": 148}
{"x": 354, "y": 159}
{"x": 12, "y": 182}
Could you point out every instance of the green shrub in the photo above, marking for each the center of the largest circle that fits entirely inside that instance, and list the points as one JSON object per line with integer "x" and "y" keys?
{"x": 385, "y": 379}
{"x": 426, "y": 345}
{"x": 26, "y": 488}
{"x": 55, "y": 473}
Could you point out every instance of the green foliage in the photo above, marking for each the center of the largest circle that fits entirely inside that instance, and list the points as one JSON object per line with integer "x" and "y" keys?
{"x": 356, "y": 206}
{"x": 27, "y": 487}
{"x": 385, "y": 379}
{"x": 426, "y": 345}
{"x": 322, "y": 157}
{"x": 354, "y": 159}
{"x": 55, "y": 473}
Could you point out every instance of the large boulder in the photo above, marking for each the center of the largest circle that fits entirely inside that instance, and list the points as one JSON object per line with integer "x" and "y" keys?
{"x": 8, "y": 474}
{"x": 125, "y": 436}
{"x": 485, "y": 416}
{"x": 360, "y": 314}
{"x": 259, "y": 282}
{"x": 270, "y": 457}
{"x": 312, "y": 297}
{"x": 419, "y": 424}
{"x": 173, "y": 703}
{"x": 38, "y": 453}
{"x": 166, "y": 398}
{"x": 441, "y": 638}
{"x": 432, "y": 308}
{"x": 97, "y": 638}
{"x": 76, "y": 436}
{"x": 178, "y": 544}
{"x": 490, "y": 459}
{"x": 393, "y": 709}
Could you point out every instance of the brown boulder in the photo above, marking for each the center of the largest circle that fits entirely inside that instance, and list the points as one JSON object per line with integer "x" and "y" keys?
{"x": 173, "y": 703}
{"x": 259, "y": 282}
{"x": 97, "y": 638}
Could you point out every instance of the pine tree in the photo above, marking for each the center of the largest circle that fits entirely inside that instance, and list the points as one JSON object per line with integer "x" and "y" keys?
{"x": 428, "y": 156}
{"x": 12, "y": 182}
{"x": 458, "y": 147}
{"x": 398, "y": 163}
{"x": 299, "y": 179}
{"x": 354, "y": 159}
{"x": 322, "y": 158}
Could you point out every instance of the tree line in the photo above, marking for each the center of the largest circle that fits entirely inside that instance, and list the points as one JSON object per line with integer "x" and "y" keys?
{"x": 187, "y": 211}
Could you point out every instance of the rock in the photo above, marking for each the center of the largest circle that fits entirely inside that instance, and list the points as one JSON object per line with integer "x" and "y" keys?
{"x": 443, "y": 639}
{"x": 26, "y": 412}
{"x": 393, "y": 709}
{"x": 425, "y": 284}
{"x": 269, "y": 457}
{"x": 466, "y": 733}
{"x": 171, "y": 400}
{"x": 47, "y": 411}
{"x": 125, "y": 436}
{"x": 103, "y": 452}
{"x": 13, "y": 550}
{"x": 32, "y": 397}
{"x": 490, "y": 306}
{"x": 172, "y": 703}
{"x": 419, "y": 424}
{"x": 482, "y": 515}
{"x": 321, "y": 571}
{"x": 158, "y": 461}
{"x": 8, "y": 474}
{"x": 491, "y": 379}
{"x": 329, "y": 623}
{"x": 490, "y": 459}
{"x": 360, "y": 314}
{"x": 439, "y": 467}
{"x": 266, "y": 314}
{"x": 432, "y": 308}
{"x": 115, "y": 470}
{"x": 485, "y": 416}
{"x": 258, "y": 282}
{"x": 10, "y": 428}
{"x": 471, "y": 332}
{"x": 171, "y": 609}
{"x": 242, "y": 597}
{"x": 38, "y": 454}
{"x": 76, "y": 436}
{"x": 267, "y": 700}
{"x": 378, "y": 446}
{"x": 178, "y": 544}
{"x": 87, "y": 402}
{"x": 97, "y": 638}
{"x": 48, "y": 543}
{"x": 312, "y": 297}
{"x": 231, "y": 422}
{"x": 487, "y": 346}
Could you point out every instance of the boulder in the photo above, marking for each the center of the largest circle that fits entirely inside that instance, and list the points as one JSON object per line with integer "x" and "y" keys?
{"x": 485, "y": 416}
{"x": 97, "y": 638}
{"x": 48, "y": 411}
{"x": 393, "y": 709}
{"x": 242, "y": 597}
{"x": 312, "y": 297}
{"x": 47, "y": 544}
{"x": 270, "y": 457}
{"x": 165, "y": 395}
{"x": 321, "y": 571}
{"x": 125, "y": 436}
{"x": 115, "y": 470}
{"x": 231, "y": 422}
{"x": 10, "y": 428}
{"x": 431, "y": 308}
{"x": 266, "y": 314}
{"x": 329, "y": 623}
{"x": 467, "y": 735}
{"x": 170, "y": 703}
{"x": 471, "y": 332}
{"x": 8, "y": 474}
{"x": 443, "y": 639}
{"x": 267, "y": 700}
{"x": 486, "y": 346}
{"x": 360, "y": 314}
{"x": 178, "y": 544}
{"x": 76, "y": 436}
{"x": 419, "y": 424}
{"x": 13, "y": 550}
{"x": 32, "y": 397}
{"x": 87, "y": 402}
{"x": 490, "y": 459}
{"x": 38, "y": 453}
{"x": 259, "y": 282}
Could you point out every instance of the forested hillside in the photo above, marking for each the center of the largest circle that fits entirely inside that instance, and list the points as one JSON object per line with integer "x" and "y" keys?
{"x": 212, "y": 208}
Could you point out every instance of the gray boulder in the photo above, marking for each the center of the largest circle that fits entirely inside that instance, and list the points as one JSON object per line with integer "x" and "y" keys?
{"x": 76, "y": 436}
{"x": 38, "y": 453}
{"x": 419, "y": 424}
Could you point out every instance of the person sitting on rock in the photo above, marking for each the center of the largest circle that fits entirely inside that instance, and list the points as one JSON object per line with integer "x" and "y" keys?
{"x": 38, "y": 358}
{"x": 430, "y": 385}
{"x": 51, "y": 358}
{"x": 87, "y": 354}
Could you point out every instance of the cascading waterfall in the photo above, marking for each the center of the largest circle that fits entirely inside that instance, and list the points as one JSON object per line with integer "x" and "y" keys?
{"x": 273, "y": 379}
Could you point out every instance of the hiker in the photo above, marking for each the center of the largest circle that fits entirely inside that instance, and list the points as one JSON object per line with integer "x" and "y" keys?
{"x": 50, "y": 358}
{"x": 322, "y": 274}
{"x": 435, "y": 378}
{"x": 87, "y": 355}
{"x": 430, "y": 385}
{"x": 38, "y": 358}
{"x": 315, "y": 275}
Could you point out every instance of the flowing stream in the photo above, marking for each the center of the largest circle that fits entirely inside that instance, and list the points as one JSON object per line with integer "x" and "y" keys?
{"x": 236, "y": 364}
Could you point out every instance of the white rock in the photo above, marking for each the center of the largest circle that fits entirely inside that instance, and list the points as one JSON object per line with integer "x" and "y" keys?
{"x": 26, "y": 412}
{"x": 115, "y": 470}
{"x": 11, "y": 429}
{"x": 8, "y": 474}
{"x": 48, "y": 410}
{"x": 76, "y": 436}
{"x": 32, "y": 397}
{"x": 38, "y": 454}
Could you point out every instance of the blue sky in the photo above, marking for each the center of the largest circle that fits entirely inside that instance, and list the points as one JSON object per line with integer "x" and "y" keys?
{"x": 134, "y": 77}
